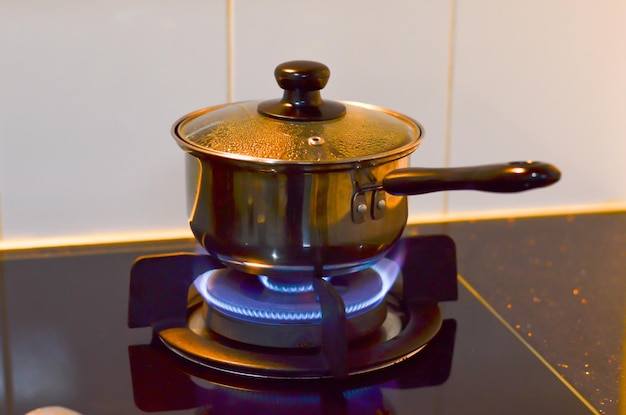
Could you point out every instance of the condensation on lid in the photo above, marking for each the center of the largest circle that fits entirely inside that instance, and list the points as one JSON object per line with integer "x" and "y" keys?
{"x": 238, "y": 129}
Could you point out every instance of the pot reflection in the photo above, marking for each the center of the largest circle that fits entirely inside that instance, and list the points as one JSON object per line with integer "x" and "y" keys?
{"x": 162, "y": 383}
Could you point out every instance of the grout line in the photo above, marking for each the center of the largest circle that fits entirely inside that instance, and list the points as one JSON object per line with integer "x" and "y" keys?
{"x": 519, "y": 337}
{"x": 230, "y": 44}
{"x": 450, "y": 85}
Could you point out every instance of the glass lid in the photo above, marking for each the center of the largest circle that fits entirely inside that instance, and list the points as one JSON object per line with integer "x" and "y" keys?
{"x": 300, "y": 127}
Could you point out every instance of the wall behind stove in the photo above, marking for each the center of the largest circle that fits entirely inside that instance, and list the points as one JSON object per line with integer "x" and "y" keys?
{"x": 88, "y": 91}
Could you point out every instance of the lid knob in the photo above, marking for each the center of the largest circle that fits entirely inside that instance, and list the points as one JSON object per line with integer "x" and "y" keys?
{"x": 301, "y": 101}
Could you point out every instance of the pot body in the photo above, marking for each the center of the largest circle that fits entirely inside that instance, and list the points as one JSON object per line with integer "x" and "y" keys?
{"x": 286, "y": 221}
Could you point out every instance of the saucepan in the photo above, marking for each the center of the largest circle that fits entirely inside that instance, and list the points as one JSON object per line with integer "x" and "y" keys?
{"x": 300, "y": 186}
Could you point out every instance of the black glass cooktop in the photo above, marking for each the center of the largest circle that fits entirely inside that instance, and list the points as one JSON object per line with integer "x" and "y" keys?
{"x": 65, "y": 341}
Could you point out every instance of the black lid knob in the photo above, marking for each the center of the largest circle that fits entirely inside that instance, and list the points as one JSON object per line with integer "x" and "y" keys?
{"x": 301, "y": 101}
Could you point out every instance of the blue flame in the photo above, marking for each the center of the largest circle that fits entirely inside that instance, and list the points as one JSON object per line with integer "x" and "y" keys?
{"x": 201, "y": 284}
{"x": 290, "y": 303}
{"x": 388, "y": 272}
{"x": 286, "y": 288}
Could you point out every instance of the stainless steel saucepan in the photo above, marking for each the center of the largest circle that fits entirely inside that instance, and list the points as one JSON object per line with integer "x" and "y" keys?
{"x": 301, "y": 186}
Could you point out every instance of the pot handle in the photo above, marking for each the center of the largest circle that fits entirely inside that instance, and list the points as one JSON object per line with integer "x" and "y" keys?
{"x": 510, "y": 177}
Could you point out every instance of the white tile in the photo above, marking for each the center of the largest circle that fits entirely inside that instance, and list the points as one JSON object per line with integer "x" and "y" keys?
{"x": 547, "y": 81}
{"x": 393, "y": 54}
{"x": 89, "y": 93}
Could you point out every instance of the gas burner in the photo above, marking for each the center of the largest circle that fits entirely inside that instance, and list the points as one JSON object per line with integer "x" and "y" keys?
{"x": 262, "y": 327}
{"x": 267, "y": 312}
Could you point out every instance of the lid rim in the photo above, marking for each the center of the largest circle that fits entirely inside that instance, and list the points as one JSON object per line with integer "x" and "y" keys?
{"x": 276, "y": 164}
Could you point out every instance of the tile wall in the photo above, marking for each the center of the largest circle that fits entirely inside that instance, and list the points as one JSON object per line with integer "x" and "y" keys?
{"x": 89, "y": 90}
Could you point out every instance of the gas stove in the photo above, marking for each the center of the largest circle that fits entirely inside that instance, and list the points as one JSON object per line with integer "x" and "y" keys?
{"x": 316, "y": 328}
{"x": 73, "y": 336}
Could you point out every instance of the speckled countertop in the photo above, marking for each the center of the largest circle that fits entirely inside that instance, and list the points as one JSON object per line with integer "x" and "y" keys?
{"x": 560, "y": 282}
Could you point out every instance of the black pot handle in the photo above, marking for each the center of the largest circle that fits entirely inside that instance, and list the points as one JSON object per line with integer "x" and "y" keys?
{"x": 516, "y": 176}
